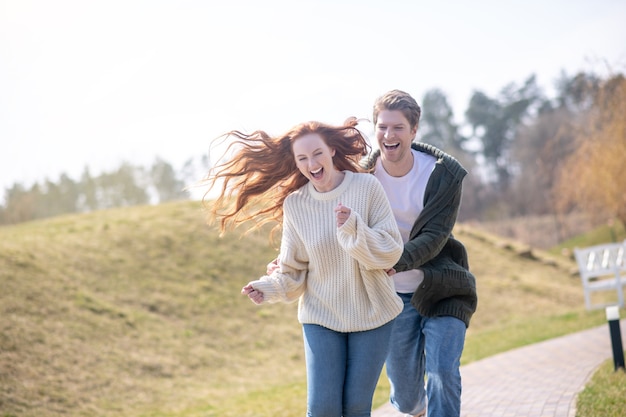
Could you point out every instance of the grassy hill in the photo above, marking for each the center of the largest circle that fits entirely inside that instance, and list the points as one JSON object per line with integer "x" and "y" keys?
{"x": 137, "y": 312}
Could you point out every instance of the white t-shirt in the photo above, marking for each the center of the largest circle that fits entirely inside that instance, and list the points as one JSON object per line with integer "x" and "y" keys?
{"x": 406, "y": 195}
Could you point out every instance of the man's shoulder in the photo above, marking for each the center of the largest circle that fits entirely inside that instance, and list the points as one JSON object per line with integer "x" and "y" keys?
{"x": 369, "y": 161}
{"x": 442, "y": 157}
{"x": 428, "y": 149}
{"x": 424, "y": 157}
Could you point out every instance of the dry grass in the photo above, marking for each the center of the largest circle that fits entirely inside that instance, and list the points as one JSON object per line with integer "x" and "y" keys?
{"x": 525, "y": 295}
{"x": 549, "y": 232}
{"x": 137, "y": 312}
{"x": 130, "y": 311}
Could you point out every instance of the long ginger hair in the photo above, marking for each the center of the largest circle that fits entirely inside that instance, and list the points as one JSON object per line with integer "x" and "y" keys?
{"x": 262, "y": 171}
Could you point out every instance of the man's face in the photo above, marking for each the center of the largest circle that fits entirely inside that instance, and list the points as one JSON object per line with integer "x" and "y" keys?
{"x": 394, "y": 135}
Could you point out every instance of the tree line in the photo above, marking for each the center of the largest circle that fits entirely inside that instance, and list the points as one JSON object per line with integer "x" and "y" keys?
{"x": 530, "y": 154}
{"x": 127, "y": 185}
{"x": 527, "y": 154}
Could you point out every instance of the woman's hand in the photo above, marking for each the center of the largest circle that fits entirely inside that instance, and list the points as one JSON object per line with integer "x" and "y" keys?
{"x": 342, "y": 213}
{"x": 255, "y": 295}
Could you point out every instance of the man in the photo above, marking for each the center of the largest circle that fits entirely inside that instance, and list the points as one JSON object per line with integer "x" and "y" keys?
{"x": 432, "y": 277}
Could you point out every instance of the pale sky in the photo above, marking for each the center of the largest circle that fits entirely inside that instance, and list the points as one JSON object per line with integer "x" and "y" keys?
{"x": 96, "y": 82}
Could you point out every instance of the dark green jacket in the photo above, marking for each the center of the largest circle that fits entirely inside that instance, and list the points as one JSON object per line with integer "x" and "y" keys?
{"x": 449, "y": 288}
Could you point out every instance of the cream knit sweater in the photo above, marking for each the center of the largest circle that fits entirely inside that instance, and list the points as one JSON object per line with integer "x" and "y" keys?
{"x": 338, "y": 274}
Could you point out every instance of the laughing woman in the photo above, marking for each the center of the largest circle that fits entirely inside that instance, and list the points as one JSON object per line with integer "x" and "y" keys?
{"x": 339, "y": 238}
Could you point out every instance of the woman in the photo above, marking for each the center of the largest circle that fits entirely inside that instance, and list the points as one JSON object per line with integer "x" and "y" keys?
{"x": 339, "y": 237}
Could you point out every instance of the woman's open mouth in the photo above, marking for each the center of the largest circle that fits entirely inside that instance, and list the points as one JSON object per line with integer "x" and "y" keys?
{"x": 317, "y": 174}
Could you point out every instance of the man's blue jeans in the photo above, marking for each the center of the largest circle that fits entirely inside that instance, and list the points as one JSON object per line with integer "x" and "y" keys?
{"x": 343, "y": 369}
{"x": 430, "y": 346}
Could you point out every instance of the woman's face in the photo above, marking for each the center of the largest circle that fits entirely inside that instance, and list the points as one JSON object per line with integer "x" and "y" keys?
{"x": 314, "y": 159}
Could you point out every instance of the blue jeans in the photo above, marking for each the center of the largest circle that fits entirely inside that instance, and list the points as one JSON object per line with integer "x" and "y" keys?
{"x": 430, "y": 346}
{"x": 343, "y": 369}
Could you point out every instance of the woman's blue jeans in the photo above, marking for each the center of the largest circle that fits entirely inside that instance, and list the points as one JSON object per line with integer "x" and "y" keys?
{"x": 343, "y": 369}
{"x": 430, "y": 346}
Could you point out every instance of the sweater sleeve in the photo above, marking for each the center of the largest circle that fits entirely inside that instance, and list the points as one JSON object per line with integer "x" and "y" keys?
{"x": 372, "y": 237}
{"x": 288, "y": 282}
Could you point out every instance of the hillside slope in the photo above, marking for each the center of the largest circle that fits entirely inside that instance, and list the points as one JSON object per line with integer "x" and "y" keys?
{"x": 137, "y": 312}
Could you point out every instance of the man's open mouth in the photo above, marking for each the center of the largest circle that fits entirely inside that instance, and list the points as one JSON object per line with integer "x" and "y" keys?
{"x": 391, "y": 146}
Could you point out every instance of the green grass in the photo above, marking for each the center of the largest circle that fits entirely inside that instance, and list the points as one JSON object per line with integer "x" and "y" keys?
{"x": 137, "y": 312}
{"x": 605, "y": 394}
{"x": 614, "y": 232}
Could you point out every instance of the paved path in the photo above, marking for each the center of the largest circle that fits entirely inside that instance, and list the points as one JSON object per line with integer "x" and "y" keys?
{"x": 540, "y": 380}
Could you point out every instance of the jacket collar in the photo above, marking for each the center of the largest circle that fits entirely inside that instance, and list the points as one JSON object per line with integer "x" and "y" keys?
{"x": 451, "y": 164}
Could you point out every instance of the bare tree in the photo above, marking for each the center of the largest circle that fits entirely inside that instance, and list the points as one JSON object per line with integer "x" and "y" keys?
{"x": 593, "y": 178}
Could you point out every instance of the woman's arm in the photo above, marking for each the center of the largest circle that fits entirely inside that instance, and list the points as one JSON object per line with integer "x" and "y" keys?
{"x": 372, "y": 238}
